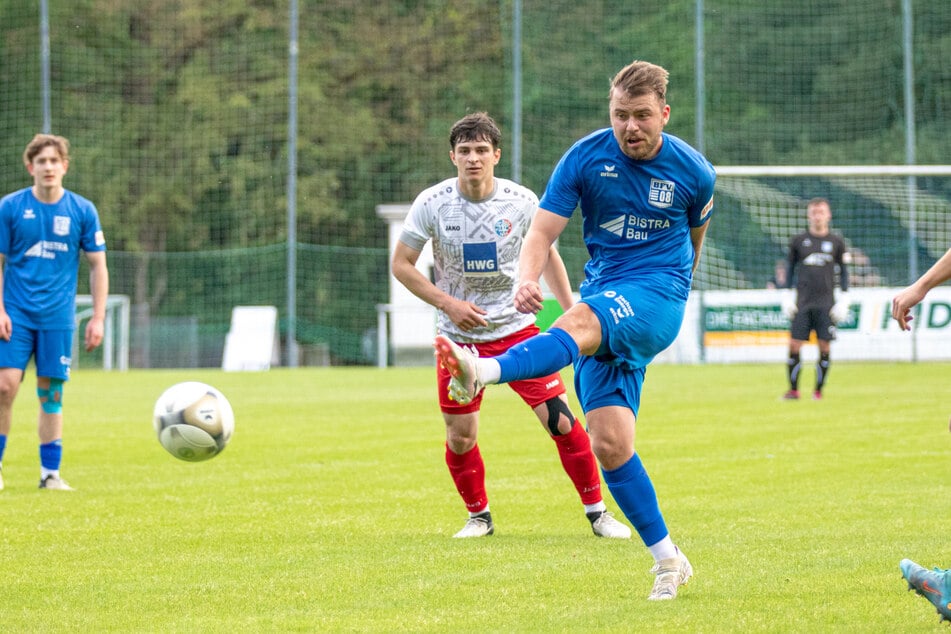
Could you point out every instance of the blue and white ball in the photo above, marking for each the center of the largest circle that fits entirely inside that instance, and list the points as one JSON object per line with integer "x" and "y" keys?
{"x": 193, "y": 420}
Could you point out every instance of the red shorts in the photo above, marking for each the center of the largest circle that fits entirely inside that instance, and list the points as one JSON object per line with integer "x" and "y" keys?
{"x": 533, "y": 391}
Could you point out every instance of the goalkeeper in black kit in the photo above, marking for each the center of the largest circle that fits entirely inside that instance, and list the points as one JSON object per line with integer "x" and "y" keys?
{"x": 815, "y": 256}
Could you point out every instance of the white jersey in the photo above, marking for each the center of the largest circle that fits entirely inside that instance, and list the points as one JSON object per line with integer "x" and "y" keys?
{"x": 475, "y": 249}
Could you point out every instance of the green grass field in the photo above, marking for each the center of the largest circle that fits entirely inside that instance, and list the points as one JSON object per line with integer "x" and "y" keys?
{"x": 332, "y": 510}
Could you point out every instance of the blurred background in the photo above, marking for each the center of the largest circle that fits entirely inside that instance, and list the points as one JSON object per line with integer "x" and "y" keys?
{"x": 238, "y": 150}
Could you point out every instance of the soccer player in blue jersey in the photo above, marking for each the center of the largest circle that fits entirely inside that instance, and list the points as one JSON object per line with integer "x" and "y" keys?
{"x": 646, "y": 198}
{"x": 476, "y": 223}
{"x": 42, "y": 230}
{"x": 934, "y": 585}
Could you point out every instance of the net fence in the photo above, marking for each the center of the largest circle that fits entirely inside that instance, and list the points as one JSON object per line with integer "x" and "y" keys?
{"x": 178, "y": 118}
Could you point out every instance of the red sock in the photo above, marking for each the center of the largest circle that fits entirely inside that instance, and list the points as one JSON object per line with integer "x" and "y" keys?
{"x": 574, "y": 449}
{"x": 468, "y": 472}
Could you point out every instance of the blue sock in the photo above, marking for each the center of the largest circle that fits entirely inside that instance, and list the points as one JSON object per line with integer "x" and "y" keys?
{"x": 3, "y": 445}
{"x": 541, "y": 355}
{"x": 51, "y": 454}
{"x": 634, "y": 493}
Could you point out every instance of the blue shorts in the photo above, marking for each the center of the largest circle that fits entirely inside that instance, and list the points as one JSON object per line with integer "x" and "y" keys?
{"x": 599, "y": 384}
{"x": 638, "y": 321}
{"x": 51, "y": 349}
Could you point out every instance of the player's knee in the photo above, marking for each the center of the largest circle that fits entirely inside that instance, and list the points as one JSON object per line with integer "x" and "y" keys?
{"x": 558, "y": 408}
{"x": 51, "y": 399}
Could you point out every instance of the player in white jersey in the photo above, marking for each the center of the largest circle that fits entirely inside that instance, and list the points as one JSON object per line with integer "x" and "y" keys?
{"x": 476, "y": 223}
{"x": 646, "y": 199}
{"x": 43, "y": 228}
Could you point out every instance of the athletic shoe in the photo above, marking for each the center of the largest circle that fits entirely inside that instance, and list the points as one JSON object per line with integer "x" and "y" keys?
{"x": 55, "y": 483}
{"x": 671, "y": 574}
{"x": 461, "y": 364}
{"x": 934, "y": 585}
{"x": 478, "y": 526}
{"x": 604, "y": 525}
{"x": 817, "y": 395}
{"x": 791, "y": 395}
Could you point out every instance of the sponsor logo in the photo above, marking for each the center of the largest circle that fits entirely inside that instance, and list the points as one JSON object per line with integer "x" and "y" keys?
{"x": 29, "y": 214}
{"x": 706, "y": 209}
{"x": 609, "y": 172}
{"x": 100, "y": 238}
{"x": 817, "y": 259}
{"x": 46, "y": 249}
{"x": 615, "y": 226}
{"x": 480, "y": 259}
{"x": 633, "y": 227}
{"x": 552, "y": 384}
{"x": 623, "y": 308}
{"x": 452, "y": 228}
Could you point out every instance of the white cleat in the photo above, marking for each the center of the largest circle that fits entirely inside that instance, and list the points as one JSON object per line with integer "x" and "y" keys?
{"x": 478, "y": 526}
{"x": 461, "y": 364}
{"x": 606, "y": 526}
{"x": 671, "y": 574}
{"x": 55, "y": 483}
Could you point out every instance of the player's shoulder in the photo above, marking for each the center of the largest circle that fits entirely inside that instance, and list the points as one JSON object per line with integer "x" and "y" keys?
{"x": 79, "y": 198}
{"x": 15, "y": 197}
{"x": 508, "y": 189}
{"x": 442, "y": 189}
{"x": 688, "y": 154}
{"x": 73, "y": 203}
{"x": 799, "y": 238}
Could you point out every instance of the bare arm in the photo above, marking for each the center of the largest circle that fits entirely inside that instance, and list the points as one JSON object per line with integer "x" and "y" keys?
{"x": 909, "y": 297}
{"x": 6, "y": 325}
{"x": 697, "y": 234}
{"x": 99, "y": 289}
{"x": 462, "y": 313}
{"x": 556, "y": 276}
{"x": 545, "y": 229}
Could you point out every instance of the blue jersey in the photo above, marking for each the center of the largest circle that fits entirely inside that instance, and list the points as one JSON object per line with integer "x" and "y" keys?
{"x": 637, "y": 214}
{"x": 41, "y": 245}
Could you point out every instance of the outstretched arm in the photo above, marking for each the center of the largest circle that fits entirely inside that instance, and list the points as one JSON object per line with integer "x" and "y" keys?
{"x": 909, "y": 297}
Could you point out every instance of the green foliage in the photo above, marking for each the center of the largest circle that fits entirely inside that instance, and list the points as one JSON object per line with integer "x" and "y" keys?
{"x": 178, "y": 113}
{"x": 322, "y": 516}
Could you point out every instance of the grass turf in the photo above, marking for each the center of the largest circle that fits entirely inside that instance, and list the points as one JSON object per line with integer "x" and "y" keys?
{"x": 332, "y": 509}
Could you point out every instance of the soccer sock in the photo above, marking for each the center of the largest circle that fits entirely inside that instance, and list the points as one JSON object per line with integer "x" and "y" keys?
{"x": 664, "y": 549}
{"x": 51, "y": 454}
{"x": 468, "y": 473}
{"x": 574, "y": 449}
{"x": 822, "y": 369}
{"x": 792, "y": 370}
{"x": 634, "y": 493}
{"x": 3, "y": 446}
{"x": 541, "y": 355}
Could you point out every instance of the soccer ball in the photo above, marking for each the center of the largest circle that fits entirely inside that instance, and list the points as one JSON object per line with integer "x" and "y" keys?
{"x": 194, "y": 421}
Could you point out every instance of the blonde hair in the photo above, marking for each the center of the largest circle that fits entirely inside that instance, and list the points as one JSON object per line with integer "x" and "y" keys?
{"x": 41, "y": 141}
{"x": 641, "y": 78}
